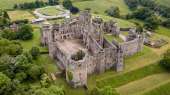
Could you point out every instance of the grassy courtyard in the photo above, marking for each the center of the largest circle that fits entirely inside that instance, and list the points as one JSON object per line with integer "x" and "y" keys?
{"x": 120, "y": 22}
{"x": 50, "y": 11}
{"x": 20, "y": 15}
{"x": 111, "y": 37}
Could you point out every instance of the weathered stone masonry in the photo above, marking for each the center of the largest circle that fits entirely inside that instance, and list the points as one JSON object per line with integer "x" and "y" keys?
{"x": 86, "y": 34}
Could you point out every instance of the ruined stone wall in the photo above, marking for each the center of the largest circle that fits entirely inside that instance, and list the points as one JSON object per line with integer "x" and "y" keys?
{"x": 45, "y": 34}
{"x": 102, "y": 55}
{"x": 132, "y": 47}
{"x": 111, "y": 27}
{"x": 79, "y": 72}
{"x": 93, "y": 46}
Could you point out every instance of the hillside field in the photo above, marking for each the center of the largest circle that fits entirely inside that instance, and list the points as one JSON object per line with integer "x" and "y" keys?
{"x": 9, "y": 4}
{"x": 100, "y": 6}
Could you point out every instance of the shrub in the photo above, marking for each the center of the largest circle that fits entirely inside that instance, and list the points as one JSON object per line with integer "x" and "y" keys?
{"x": 25, "y": 32}
{"x": 74, "y": 10}
{"x": 35, "y": 52}
{"x": 165, "y": 62}
{"x": 78, "y": 56}
{"x": 113, "y": 11}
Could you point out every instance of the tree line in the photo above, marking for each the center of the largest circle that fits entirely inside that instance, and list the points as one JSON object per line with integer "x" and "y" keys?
{"x": 68, "y": 5}
{"x": 149, "y": 11}
{"x": 36, "y": 4}
{"x": 163, "y": 10}
{"x": 23, "y": 33}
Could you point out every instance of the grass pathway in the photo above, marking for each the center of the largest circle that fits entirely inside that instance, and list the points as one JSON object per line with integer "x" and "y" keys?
{"x": 140, "y": 86}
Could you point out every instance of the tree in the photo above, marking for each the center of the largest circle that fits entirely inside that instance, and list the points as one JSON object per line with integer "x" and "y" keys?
{"x": 107, "y": 90}
{"x": 142, "y": 13}
{"x": 165, "y": 62}
{"x": 8, "y": 34}
{"x": 35, "y": 52}
{"x": 6, "y": 15}
{"x": 74, "y": 10}
{"x": 152, "y": 22}
{"x": 25, "y": 32}
{"x": 16, "y": 6}
{"x": 53, "y": 2}
{"x": 52, "y": 90}
{"x": 21, "y": 76}
{"x": 29, "y": 56}
{"x": 113, "y": 11}
{"x": 35, "y": 72}
{"x": 67, "y": 4}
{"x": 10, "y": 47}
{"x": 4, "y": 84}
{"x": 132, "y": 3}
{"x": 139, "y": 28}
{"x": 45, "y": 80}
{"x": 166, "y": 23}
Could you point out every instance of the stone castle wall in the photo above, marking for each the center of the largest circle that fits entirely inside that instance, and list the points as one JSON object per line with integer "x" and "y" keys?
{"x": 101, "y": 54}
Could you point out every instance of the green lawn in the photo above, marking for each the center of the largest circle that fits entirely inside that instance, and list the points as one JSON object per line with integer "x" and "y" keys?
{"x": 9, "y": 4}
{"x": 162, "y": 90}
{"x": 144, "y": 84}
{"x": 163, "y": 31}
{"x": 20, "y": 15}
{"x": 99, "y": 6}
{"x": 50, "y": 11}
{"x": 35, "y": 41}
{"x": 111, "y": 37}
{"x": 125, "y": 78}
{"x": 48, "y": 63}
{"x": 132, "y": 63}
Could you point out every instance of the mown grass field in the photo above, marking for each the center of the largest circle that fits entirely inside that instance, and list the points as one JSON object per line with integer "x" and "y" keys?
{"x": 20, "y": 15}
{"x": 9, "y": 4}
{"x": 141, "y": 85}
{"x": 50, "y": 11}
{"x": 162, "y": 90}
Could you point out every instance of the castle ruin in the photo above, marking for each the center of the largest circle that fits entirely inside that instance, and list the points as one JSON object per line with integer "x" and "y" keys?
{"x": 85, "y": 34}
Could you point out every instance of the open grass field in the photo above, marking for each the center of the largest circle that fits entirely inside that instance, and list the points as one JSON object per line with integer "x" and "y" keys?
{"x": 20, "y": 15}
{"x": 9, "y": 4}
{"x": 99, "y": 6}
{"x": 49, "y": 11}
{"x": 161, "y": 90}
{"x": 141, "y": 85}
